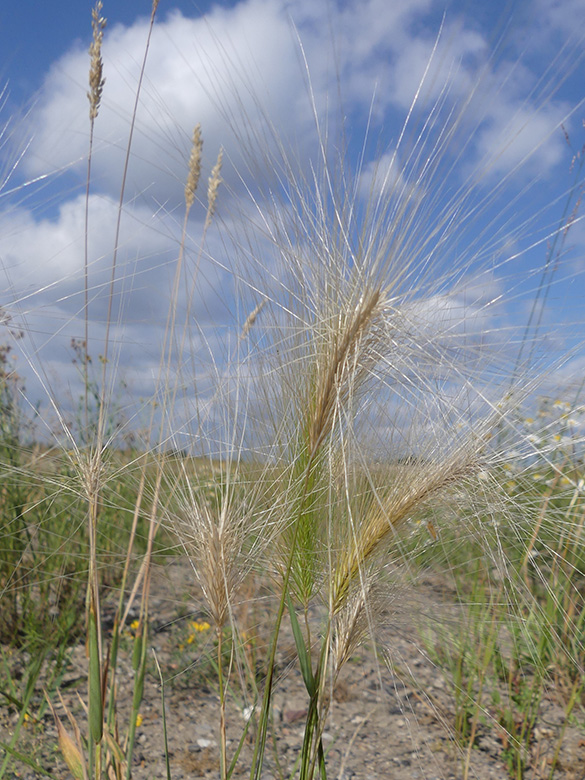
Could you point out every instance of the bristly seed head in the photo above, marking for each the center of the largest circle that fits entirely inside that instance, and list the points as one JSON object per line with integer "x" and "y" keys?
{"x": 96, "y": 78}
{"x": 194, "y": 167}
{"x": 339, "y": 360}
{"x": 213, "y": 188}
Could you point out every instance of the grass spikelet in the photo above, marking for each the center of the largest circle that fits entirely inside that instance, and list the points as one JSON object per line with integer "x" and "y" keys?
{"x": 213, "y": 187}
{"x": 251, "y": 319}
{"x": 213, "y": 552}
{"x": 352, "y": 623}
{"x": 96, "y": 77}
{"x": 219, "y": 540}
{"x": 416, "y": 486}
{"x": 194, "y": 167}
{"x": 343, "y": 361}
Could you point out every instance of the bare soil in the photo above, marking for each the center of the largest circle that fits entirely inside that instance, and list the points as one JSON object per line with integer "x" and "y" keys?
{"x": 387, "y": 720}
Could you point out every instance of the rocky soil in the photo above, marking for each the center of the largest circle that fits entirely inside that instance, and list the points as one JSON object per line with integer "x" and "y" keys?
{"x": 387, "y": 720}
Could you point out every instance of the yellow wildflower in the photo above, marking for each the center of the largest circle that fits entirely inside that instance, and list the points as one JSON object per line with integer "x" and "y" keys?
{"x": 200, "y": 625}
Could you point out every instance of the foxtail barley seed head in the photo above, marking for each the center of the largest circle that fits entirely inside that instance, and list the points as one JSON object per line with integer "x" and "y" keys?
{"x": 223, "y": 538}
{"x": 385, "y": 516}
{"x": 343, "y": 359}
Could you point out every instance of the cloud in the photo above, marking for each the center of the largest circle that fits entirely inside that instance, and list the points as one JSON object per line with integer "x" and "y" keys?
{"x": 44, "y": 257}
{"x": 43, "y": 264}
{"x": 565, "y": 16}
{"x": 207, "y": 70}
{"x": 239, "y": 67}
{"x": 240, "y": 72}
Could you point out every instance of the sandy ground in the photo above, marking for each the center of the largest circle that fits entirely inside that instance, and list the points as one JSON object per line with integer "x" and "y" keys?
{"x": 383, "y": 723}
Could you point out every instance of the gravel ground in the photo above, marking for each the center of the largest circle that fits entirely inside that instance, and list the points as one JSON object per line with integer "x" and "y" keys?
{"x": 382, "y": 724}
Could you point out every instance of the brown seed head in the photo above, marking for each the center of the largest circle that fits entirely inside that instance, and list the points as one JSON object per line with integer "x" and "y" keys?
{"x": 96, "y": 78}
{"x": 213, "y": 188}
{"x": 385, "y": 517}
{"x": 330, "y": 386}
{"x": 194, "y": 167}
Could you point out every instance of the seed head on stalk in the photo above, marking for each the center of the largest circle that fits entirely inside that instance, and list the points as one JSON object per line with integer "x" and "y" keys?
{"x": 96, "y": 77}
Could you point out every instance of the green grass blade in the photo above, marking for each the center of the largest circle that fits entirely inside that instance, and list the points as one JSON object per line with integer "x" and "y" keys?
{"x": 234, "y": 760}
{"x": 28, "y": 761}
{"x": 33, "y": 674}
{"x": 302, "y": 652}
{"x": 164, "y": 716}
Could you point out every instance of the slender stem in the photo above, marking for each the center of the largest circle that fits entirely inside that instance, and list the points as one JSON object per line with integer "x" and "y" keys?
{"x": 317, "y": 713}
{"x": 85, "y": 353}
{"x": 222, "y": 729}
{"x": 260, "y": 746}
{"x": 101, "y": 419}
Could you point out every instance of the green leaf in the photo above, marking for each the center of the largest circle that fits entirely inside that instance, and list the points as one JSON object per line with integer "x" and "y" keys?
{"x": 232, "y": 766}
{"x": 28, "y": 761}
{"x": 302, "y": 652}
{"x": 17, "y": 702}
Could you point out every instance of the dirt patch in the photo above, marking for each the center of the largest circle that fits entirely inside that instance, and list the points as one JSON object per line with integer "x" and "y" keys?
{"x": 384, "y": 722}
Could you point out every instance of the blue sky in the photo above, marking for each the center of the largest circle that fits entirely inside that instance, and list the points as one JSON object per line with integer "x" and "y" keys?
{"x": 508, "y": 78}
